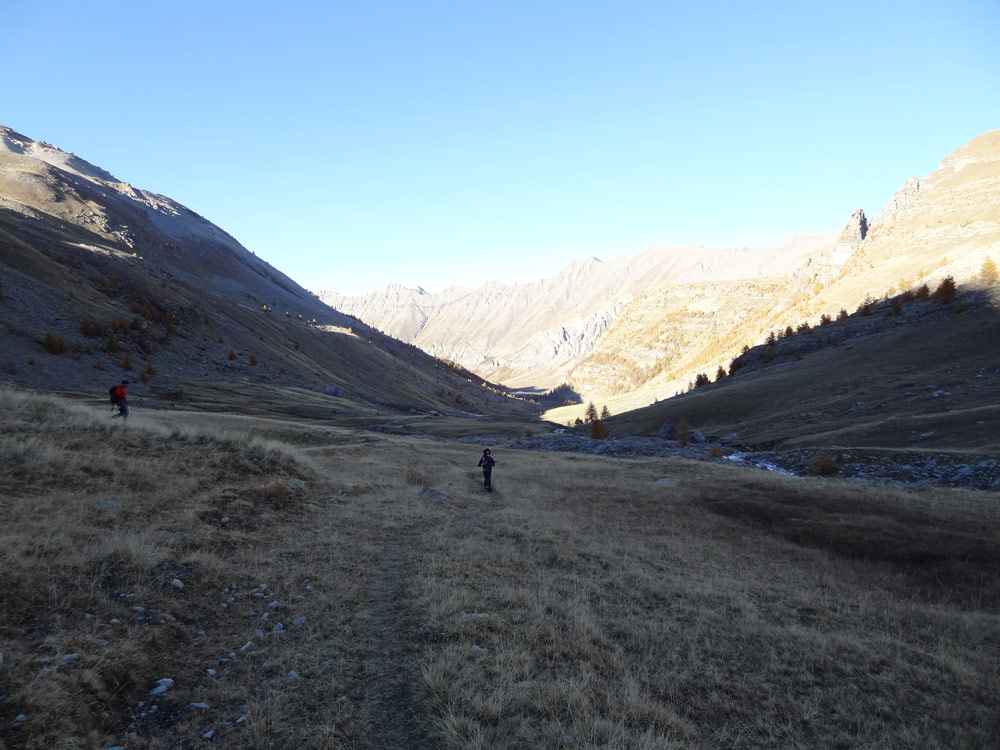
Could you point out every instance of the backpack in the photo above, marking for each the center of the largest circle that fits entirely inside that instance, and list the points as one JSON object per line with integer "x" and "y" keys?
{"x": 115, "y": 396}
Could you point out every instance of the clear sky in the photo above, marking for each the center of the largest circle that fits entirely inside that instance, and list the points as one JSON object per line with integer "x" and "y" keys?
{"x": 355, "y": 144}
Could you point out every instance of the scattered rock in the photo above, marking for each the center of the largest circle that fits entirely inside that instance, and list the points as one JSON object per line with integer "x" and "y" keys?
{"x": 210, "y": 672}
{"x": 177, "y": 583}
{"x": 224, "y": 520}
{"x": 332, "y": 390}
{"x": 697, "y": 436}
{"x": 475, "y": 615}
{"x": 279, "y": 628}
{"x": 292, "y": 675}
{"x": 200, "y": 706}
{"x": 241, "y": 719}
{"x": 248, "y": 646}
{"x": 668, "y": 481}
{"x": 70, "y": 657}
{"x": 106, "y": 504}
{"x": 208, "y": 735}
{"x": 162, "y": 686}
{"x": 433, "y": 494}
{"x": 19, "y": 720}
{"x": 299, "y": 621}
{"x": 666, "y": 432}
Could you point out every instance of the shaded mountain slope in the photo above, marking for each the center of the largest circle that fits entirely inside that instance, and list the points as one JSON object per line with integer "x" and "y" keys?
{"x": 133, "y": 284}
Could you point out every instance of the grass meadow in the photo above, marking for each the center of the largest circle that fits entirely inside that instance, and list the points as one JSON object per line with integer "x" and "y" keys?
{"x": 580, "y": 605}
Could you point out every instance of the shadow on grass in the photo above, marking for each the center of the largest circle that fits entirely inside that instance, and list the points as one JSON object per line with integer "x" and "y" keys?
{"x": 943, "y": 550}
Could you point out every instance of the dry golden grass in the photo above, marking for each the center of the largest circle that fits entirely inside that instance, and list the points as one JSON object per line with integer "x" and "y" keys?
{"x": 579, "y": 605}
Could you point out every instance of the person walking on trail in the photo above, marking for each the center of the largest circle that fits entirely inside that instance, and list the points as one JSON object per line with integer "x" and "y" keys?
{"x": 118, "y": 398}
{"x": 487, "y": 463}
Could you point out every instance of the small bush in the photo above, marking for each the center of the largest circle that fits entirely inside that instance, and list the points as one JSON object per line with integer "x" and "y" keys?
{"x": 31, "y": 362}
{"x": 61, "y": 259}
{"x": 126, "y": 362}
{"x": 804, "y": 328}
{"x": 417, "y": 477}
{"x": 771, "y": 339}
{"x": 253, "y": 360}
{"x": 136, "y": 324}
{"x": 54, "y": 344}
{"x": 715, "y": 451}
{"x": 720, "y": 373}
{"x": 232, "y": 355}
{"x": 842, "y": 315}
{"x": 787, "y": 333}
{"x": 112, "y": 346}
{"x": 867, "y": 306}
{"x": 946, "y": 291}
{"x": 605, "y": 412}
{"x": 768, "y": 354}
{"x": 897, "y": 306}
{"x": 150, "y": 370}
{"x": 98, "y": 365}
{"x": 597, "y": 430}
{"x": 144, "y": 378}
{"x": 93, "y": 330}
{"x": 923, "y": 292}
{"x": 701, "y": 379}
{"x": 824, "y": 465}
{"x": 908, "y": 296}
{"x": 988, "y": 272}
{"x": 682, "y": 431}
{"x": 825, "y": 320}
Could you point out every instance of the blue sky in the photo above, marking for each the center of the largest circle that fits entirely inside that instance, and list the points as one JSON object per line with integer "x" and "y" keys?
{"x": 353, "y": 145}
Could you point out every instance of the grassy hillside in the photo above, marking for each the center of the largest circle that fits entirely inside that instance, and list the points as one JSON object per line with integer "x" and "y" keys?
{"x": 579, "y": 605}
{"x": 925, "y": 382}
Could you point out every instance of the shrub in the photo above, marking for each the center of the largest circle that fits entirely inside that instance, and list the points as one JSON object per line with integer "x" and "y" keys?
{"x": 946, "y": 291}
{"x": 136, "y": 324}
{"x": 144, "y": 378}
{"x": 923, "y": 292}
{"x": 597, "y": 430}
{"x": 54, "y": 344}
{"x": 804, "y": 328}
{"x": 253, "y": 359}
{"x": 988, "y": 272}
{"x": 720, "y": 373}
{"x": 150, "y": 370}
{"x": 112, "y": 345}
{"x": 415, "y": 476}
{"x": 715, "y": 451}
{"x": 591, "y": 413}
{"x": 768, "y": 354}
{"x": 126, "y": 362}
{"x": 682, "y": 431}
{"x": 909, "y": 296}
{"x": 734, "y": 366}
{"x": 93, "y": 330}
{"x": 701, "y": 379}
{"x": 897, "y": 306}
{"x": 825, "y": 320}
{"x": 842, "y": 315}
{"x": 605, "y": 412}
{"x": 867, "y": 306}
{"x": 787, "y": 333}
{"x": 98, "y": 365}
{"x": 824, "y": 465}
{"x": 232, "y": 355}
{"x": 577, "y": 421}
{"x": 771, "y": 339}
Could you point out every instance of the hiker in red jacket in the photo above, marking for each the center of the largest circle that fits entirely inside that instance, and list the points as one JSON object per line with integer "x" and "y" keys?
{"x": 118, "y": 398}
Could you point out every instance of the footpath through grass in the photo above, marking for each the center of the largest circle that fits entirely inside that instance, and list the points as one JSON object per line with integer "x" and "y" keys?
{"x": 579, "y": 605}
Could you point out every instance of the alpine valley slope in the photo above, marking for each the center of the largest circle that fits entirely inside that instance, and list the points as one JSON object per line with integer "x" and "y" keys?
{"x": 101, "y": 281}
{"x": 632, "y": 330}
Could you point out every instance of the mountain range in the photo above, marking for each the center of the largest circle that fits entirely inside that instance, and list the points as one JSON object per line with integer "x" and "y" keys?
{"x": 631, "y": 330}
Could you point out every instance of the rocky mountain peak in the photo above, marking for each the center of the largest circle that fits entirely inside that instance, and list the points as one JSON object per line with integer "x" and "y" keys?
{"x": 856, "y": 229}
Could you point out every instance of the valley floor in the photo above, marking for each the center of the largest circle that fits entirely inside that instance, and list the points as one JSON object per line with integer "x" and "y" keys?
{"x": 325, "y": 587}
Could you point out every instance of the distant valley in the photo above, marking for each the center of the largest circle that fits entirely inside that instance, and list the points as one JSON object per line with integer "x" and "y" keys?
{"x": 632, "y": 330}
